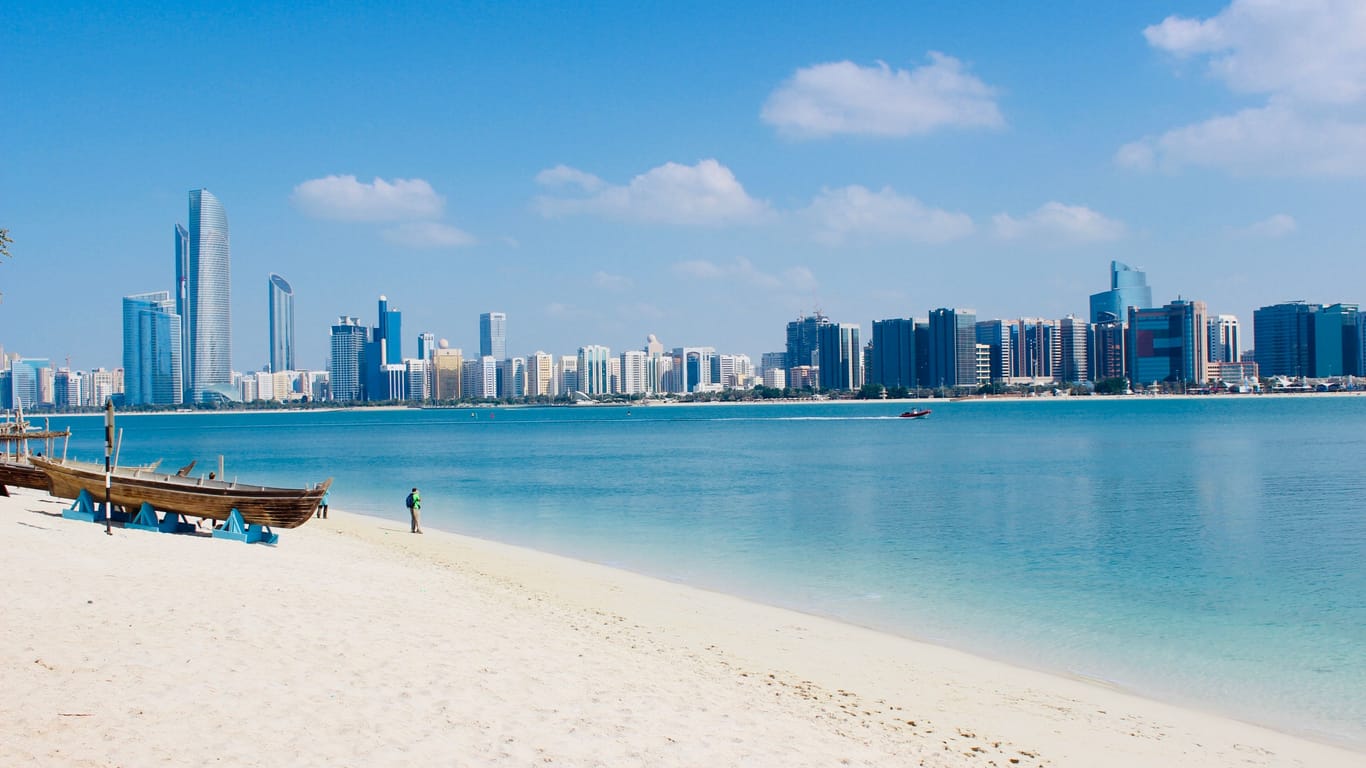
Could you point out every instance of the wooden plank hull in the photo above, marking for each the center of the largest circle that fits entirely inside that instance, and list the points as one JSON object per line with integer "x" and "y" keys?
{"x": 194, "y": 497}
{"x": 21, "y": 474}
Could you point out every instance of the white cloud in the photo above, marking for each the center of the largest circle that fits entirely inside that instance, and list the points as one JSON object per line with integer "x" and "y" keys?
{"x": 706, "y": 194}
{"x": 428, "y": 234}
{"x": 1273, "y": 141}
{"x": 1278, "y": 225}
{"x": 744, "y": 272}
{"x": 1308, "y": 50}
{"x": 562, "y": 175}
{"x": 613, "y": 282}
{"x": 843, "y": 98}
{"x": 1059, "y": 223}
{"x": 856, "y": 212}
{"x": 345, "y": 198}
{"x": 1307, "y": 57}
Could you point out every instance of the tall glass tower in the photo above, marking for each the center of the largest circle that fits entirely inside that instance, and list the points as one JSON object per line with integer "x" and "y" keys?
{"x": 281, "y": 325}
{"x": 1128, "y": 288}
{"x": 493, "y": 335}
{"x": 151, "y": 350}
{"x": 182, "y": 304}
{"x": 209, "y": 294}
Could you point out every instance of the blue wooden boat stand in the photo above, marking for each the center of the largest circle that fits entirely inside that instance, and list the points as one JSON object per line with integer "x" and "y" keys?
{"x": 234, "y": 528}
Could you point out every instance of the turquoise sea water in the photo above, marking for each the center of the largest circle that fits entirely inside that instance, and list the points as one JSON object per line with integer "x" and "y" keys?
{"x": 1210, "y": 552}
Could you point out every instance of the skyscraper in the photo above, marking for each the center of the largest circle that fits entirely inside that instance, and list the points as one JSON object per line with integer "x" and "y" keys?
{"x": 1074, "y": 350}
{"x": 952, "y": 348}
{"x": 493, "y": 335}
{"x": 803, "y": 340}
{"x": 151, "y": 350}
{"x": 1128, "y": 288}
{"x": 281, "y": 325}
{"x": 893, "y": 353}
{"x": 1167, "y": 344}
{"x": 209, "y": 300}
{"x": 389, "y": 333}
{"x": 347, "y": 369}
{"x": 182, "y": 304}
{"x": 1224, "y": 339}
{"x": 1282, "y": 336}
{"x": 840, "y": 357}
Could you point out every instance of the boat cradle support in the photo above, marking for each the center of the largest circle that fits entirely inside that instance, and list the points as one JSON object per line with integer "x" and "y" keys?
{"x": 85, "y": 508}
{"x": 237, "y": 529}
{"x": 146, "y": 520}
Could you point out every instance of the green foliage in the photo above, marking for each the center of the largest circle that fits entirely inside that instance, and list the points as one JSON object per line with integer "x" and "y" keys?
{"x": 870, "y": 392}
{"x": 1116, "y": 386}
{"x": 5, "y": 242}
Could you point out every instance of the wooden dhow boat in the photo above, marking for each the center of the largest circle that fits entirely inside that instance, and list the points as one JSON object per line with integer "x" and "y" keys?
{"x": 15, "y": 468}
{"x": 129, "y": 487}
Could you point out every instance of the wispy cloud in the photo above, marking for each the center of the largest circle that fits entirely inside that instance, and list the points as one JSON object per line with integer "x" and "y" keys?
{"x": 1268, "y": 141}
{"x": 706, "y": 194}
{"x": 743, "y": 272}
{"x": 844, "y": 98}
{"x": 1277, "y": 225}
{"x": 345, "y": 198}
{"x": 855, "y": 212}
{"x": 1307, "y": 58}
{"x": 612, "y": 282}
{"x": 1055, "y": 222}
{"x": 428, "y": 234}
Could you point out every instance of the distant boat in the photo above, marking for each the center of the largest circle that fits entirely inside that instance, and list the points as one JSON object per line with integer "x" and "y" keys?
{"x": 129, "y": 487}
{"x": 915, "y": 413}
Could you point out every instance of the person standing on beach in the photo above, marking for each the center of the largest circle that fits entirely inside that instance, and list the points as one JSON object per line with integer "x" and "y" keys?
{"x": 322, "y": 504}
{"x": 415, "y": 509}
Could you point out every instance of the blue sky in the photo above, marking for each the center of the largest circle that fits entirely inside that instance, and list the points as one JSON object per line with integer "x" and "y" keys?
{"x": 705, "y": 172}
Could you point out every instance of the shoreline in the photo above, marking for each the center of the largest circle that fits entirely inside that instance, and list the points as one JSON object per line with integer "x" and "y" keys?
{"x": 724, "y": 403}
{"x": 590, "y": 662}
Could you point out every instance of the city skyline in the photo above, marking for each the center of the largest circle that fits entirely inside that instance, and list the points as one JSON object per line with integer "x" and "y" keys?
{"x": 604, "y": 176}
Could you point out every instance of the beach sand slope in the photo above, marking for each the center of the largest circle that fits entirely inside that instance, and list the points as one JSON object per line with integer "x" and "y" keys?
{"x": 355, "y": 643}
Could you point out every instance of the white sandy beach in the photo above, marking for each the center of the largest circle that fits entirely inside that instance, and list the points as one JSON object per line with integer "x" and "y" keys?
{"x": 356, "y": 643}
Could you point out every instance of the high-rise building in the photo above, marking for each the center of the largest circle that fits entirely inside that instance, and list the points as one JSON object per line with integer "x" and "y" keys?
{"x": 426, "y": 345}
{"x": 1167, "y": 344}
{"x": 447, "y": 365}
{"x": 803, "y": 340}
{"x": 346, "y": 373}
{"x": 840, "y": 357}
{"x": 593, "y": 369}
{"x": 281, "y": 324}
{"x": 389, "y": 333}
{"x": 952, "y": 348}
{"x": 568, "y": 374}
{"x": 1224, "y": 339}
{"x": 540, "y": 375}
{"x": 182, "y": 304}
{"x": 1036, "y": 347}
{"x": 209, "y": 299}
{"x": 1336, "y": 346}
{"x": 1108, "y": 359}
{"x": 996, "y": 335}
{"x": 1074, "y": 350}
{"x": 493, "y": 335}
{"x": 151, "y": 350}
{"x": 25, "y": 375}
{"x": 893, "y": 363}
{"x": 1282, "y": 336}
{"x": 634, "y": 372}
{"x": 1128, "y": 288}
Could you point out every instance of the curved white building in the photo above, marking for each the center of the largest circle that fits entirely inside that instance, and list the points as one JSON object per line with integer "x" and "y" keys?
{"x": 281, "y": 325}
{"x": 209, "y": 295}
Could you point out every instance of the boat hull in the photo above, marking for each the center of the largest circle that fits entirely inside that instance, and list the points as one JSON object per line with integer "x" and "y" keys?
{"x": 193, "y": 497}
{"x": 21, "y": 474}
